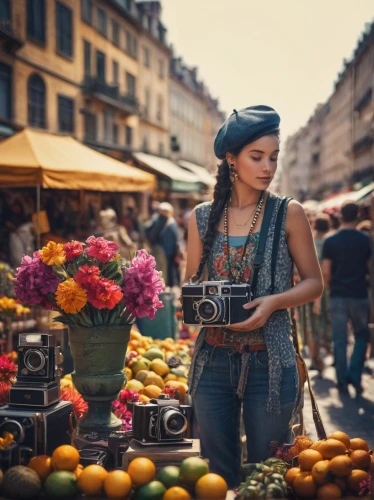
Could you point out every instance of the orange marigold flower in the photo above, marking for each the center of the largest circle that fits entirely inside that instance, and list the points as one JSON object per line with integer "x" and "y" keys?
{"x": 70, "y": 296}
{"x": 53, "y": 254}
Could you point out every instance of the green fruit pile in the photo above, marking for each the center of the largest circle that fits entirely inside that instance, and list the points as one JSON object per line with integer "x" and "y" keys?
{"x": 264, "y": 480}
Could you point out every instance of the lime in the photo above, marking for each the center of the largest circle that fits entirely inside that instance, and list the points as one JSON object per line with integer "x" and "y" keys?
{"x": 169, "y": 476}
{"x": 61, "y": 484}
{"x": 192, "y": 469}
{"x": 151, "y": 491}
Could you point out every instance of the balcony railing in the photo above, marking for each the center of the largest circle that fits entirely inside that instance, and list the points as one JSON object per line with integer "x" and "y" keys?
{"x": 363, "y": 135}
{"x": 8, "y": 36}
{"x": 110, "y": 94}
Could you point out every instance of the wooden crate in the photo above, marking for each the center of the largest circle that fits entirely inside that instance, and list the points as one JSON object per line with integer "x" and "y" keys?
{"x": 161, "y": 455}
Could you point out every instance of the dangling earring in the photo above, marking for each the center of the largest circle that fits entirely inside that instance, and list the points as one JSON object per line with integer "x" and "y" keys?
{"x": 233, "y": 174}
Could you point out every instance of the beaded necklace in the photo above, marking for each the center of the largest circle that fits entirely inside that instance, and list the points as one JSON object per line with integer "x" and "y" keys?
{"x": 237, "y": 270}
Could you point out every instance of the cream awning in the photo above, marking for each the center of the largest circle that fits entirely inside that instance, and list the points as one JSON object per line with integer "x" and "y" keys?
{"x": 32, "y": 158}
{"x": 180, "y": 179}
{"x": 201, "y": 172}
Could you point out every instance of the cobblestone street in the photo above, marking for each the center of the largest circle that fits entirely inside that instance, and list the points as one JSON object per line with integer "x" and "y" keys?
{"x": 352, "y": 415}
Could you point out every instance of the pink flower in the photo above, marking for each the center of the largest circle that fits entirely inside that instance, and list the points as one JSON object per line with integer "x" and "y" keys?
{"x": 101, "y": 249}
{"x": 87, "y": 275}
{"x": 73, "y": 249}
{"x": 142, "y": 286}
{"x": 104, "y": 294}
{"x": 129, "y": 395}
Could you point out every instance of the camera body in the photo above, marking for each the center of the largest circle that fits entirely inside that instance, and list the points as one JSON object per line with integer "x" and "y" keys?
{"x": 35, "y": 432}
{"x": 162, "y": 420}
{"x": 38, "y": 377}
{"x": 215, "y": 303}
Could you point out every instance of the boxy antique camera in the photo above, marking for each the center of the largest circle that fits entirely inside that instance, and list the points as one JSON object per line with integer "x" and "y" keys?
{"x": 215, "y": 303}
{"x": 38, "y": 378}
{"x": 162, "y": 420}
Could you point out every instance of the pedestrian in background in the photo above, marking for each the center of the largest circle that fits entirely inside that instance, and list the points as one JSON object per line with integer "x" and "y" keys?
{"x": 345, "y": 260}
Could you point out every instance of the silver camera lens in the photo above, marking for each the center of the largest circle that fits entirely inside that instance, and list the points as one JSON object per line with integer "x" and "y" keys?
{"x": 34, "y": 360}
{"x": 210, "y": 309}
{"x": 174, "y": 422}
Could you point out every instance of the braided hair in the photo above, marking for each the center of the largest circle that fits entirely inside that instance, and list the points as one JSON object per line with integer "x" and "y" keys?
{"x": 222, "y": 192}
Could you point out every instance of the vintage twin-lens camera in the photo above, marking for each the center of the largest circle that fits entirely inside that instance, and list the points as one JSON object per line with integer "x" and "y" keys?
{"x": 215, "y": 303}
{"x": 35, "y": 416}
{"x": 38, "y": 378}
{"x": 162, "y": 420}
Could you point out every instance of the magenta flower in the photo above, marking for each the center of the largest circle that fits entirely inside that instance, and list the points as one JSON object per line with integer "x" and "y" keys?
{"x": 129, "y": 395}
{"x": 142, "y": 286}
{"x": 101, "y": 249}
{"x": 87, "y": 275}
{"x": 73, "y": 249}
{"x": 34, "y": 280}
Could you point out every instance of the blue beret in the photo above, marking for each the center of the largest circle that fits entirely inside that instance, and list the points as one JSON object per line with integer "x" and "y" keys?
{"x": 245, "y": 126}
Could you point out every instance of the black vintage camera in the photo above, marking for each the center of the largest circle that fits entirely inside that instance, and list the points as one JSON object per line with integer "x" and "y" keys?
{"x": 35, "y": 432}
{"x": 38, "y": 378}
{"x": 215, "y": 303}
{"x": 162, "y": 420}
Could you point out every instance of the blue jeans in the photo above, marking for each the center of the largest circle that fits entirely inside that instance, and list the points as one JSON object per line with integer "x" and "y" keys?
{"x": 357, "y": 310}
{"x": 218, "y": 410}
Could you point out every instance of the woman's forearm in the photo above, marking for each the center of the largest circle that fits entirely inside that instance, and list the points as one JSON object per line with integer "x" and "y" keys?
{"x": 302, "y": 293}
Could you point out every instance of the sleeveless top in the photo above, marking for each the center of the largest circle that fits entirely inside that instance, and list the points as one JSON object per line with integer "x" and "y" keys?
{"x": 276, "y": 333}
{"x": 217, "y": 272}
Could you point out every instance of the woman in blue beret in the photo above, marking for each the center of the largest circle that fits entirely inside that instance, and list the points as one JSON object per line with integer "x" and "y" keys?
{"x": 250, "y": 366}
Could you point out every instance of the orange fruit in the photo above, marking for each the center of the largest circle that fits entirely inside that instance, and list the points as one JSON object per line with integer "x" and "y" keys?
{"x": 291, "y": 474}
{"x": 359, "y": 444}
{"x": 192, "y": 469}
{"x": 341, "y": 436}
{"x": 176, "y": 493}
{"x": 332, "y": 448}
{"x": 41, "y": 465}
{"x": 356, "y": 478}
{"x": 78, "y": 470}
{"x": 211, "y": 486}
{"x": 316, "y": 445}
{"x": 320, "y": 472}
{"x": 329, "y": 492}
{"x": 117, "y": 484}
{"x": 65, "y": 457}
{"x": 308, "y": 458}
{"x": 91, "y": 479}
{"x": 341, "y": 466}
{"x": 304, "y": 485}
{"x": 341, "y": 483}
{"x": 361, "y": 459}
{"x": 141, "y": 470}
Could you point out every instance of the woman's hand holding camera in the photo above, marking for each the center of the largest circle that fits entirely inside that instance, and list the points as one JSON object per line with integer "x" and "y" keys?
{"x": 265, "y": 306}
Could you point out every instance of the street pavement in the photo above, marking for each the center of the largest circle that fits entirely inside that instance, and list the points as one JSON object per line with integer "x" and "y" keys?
{"x": 354, "y": 416}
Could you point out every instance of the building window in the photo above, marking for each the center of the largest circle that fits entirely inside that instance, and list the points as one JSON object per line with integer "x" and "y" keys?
{"x": 160, "y": 106}
{"x": 115, "y": 72}
{"x": 131, "y": 85}
{"x": 108, "y": 125}
{"x": 160, "y": 149}
{"x": 36, "y": 101}
{"x": 146, "y": 57}
{"x": 128, "y": 133}
{"x": 5, "y": 91}
{"x": 5, "y": 14}
{"x": 64, "y": 30}
{"x": 161, "y": 69}
{"x": 115, "y": 32}
{"x": 131, "y": 45}
{"x": 87, "y": 58}
{"x": 90, "y": 122}
{"x": 86, "y": 6}
{"x": 65, "y": 114}
{"x": 147, "y": 106}
{"x": 36, "y": 20}
{"x": 100, "y": 66}
{"x": 101, "y": 21}
{"x": 115, "y": 133}
{"x": 145, "y": 145}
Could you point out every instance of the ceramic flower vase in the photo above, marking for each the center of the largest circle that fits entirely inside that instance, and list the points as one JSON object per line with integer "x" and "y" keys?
{"x": 99, "y": 359}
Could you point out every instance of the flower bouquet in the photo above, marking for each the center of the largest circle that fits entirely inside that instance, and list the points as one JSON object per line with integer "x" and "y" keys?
{"x": 98, "y": 295}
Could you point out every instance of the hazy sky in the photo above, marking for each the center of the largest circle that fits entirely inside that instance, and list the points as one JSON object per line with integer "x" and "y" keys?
{"x": 283, "y": 53}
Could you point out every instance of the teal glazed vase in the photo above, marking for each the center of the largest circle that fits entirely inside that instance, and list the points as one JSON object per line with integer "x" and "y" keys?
{"x": 99, "y": 358}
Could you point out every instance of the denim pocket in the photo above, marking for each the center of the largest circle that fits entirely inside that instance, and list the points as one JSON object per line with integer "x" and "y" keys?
{"x": 262, "y": 359}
